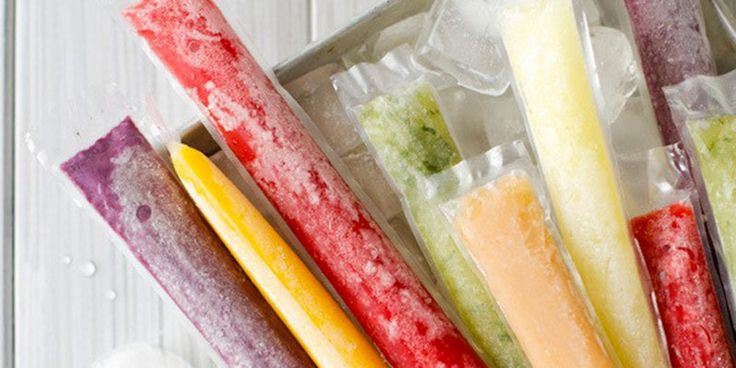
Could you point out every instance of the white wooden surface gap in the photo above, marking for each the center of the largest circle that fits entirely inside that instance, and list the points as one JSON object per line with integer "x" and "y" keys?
{"x": 63, "y": 318}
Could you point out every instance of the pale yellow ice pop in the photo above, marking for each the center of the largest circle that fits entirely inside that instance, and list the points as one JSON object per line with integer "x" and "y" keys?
{"x": 305, "y": 306}
{"x": 546, "y": 55}
{"x": 502, "y": 226}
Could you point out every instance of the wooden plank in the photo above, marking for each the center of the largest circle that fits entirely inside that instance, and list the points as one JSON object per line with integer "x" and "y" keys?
{"x": 6, "y": 180}
{"x": 64, "y": 318}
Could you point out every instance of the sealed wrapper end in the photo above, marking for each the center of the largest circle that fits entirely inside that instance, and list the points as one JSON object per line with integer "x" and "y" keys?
{"x": 548, "y": 65}
{"x": 681, "y": 269}
{"x": 704, "y": 108}
{"x": 128, "y": 184}
{"x": 194, "y": 41}
{"x": 306, "y": 307}
{"x": 670, "y": 36}
{"x": 502, "y": 226}
{"x": 410, "y": 139}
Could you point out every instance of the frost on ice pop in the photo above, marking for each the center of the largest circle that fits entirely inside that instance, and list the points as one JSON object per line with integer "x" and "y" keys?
{"x": 411, "y": 139}
{"x": 545, "y": 49}
{"x": 670, "y": 242}
{"x": 195, "y": 42}
{"x": 503, "y": 228}
{"x": 131, "y": 187}
{"x": 671, "y": 39}
{"x": 312, "y": 315}
{"x": 715, "y": 151}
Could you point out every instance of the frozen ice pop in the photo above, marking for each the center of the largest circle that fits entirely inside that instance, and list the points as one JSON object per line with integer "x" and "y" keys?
{"x": 715, "y": 152}
{"x": 411, "y": 139}
{"x": 670, "y": 242}
{"x": 194, "y": 41}
{"x": 670, "y": 35}
{"x": 502, "y": 227}
{"x": 133, "y": 190}
{"x": 547, "y": 61}
{"x": 304, "y": 305}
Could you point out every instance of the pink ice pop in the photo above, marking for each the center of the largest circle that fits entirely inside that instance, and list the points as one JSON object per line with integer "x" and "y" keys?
{"x": 195, "y": 42}
{"x": 673, "y": 47}
{"x": 129, "y": 185}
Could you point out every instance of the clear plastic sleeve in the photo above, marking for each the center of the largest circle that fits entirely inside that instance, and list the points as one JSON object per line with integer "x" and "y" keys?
{"x": 703, "y": 108}
{"x": 666, "y": 221}
{"x": 472, "y": 196}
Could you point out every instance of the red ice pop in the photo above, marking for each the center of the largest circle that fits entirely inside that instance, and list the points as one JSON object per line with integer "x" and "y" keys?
{"x": 675, "y": 258}
{"x": 129, "y": 185}
{"x": 195, "y": 42}
{"x": 670, "y": 35}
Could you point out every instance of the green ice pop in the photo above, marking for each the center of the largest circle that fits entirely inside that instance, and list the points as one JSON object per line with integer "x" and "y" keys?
{"x": 715, "y": 149}
{"x": 411, "y": 139}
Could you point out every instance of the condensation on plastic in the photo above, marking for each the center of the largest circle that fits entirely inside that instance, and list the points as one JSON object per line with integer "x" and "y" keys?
{"x": 444, "y": 189}
{"x": 92, "y": 114}
{"x": 697, "y": 99}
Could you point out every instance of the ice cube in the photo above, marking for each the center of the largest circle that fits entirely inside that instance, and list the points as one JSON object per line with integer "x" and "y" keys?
{"x": 314, "y": 92}
{"x": 365, "y": 170}
{"x": 615, "y": 70}
{"x": 460, "y": 38}
{"x": 465, "y": 114}
{"x": 479, "y": 122}
{"x": 140, "y": 356}
{"x": 635, "y": 130}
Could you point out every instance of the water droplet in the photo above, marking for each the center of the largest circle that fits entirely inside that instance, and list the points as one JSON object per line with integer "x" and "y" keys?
{"x": 111, "y": 295}
{"x": 87, "y": 269}
{"x": 66, "y": 260}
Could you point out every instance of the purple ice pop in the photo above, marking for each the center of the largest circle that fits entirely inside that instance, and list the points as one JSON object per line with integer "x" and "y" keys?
{"x": 671, "y": 39}
{"x": 131, "y": 187}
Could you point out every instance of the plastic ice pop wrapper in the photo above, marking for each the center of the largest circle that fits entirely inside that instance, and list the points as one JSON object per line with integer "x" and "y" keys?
{"x": 500, "y": 220}
{"x": 667, "y": 225}
{"x": 115, "y": 172}
{"x": 670, "y": 36}
{"x": 265, "y": 132}
{"x": 704, "y": 108}
{"x": 396, "y": 110}
{"x": 304, "y": 305}
{"x": 573, "y": 146}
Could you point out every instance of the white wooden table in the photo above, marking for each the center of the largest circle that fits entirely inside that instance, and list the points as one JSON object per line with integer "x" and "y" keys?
{"x": 66, "y": 312}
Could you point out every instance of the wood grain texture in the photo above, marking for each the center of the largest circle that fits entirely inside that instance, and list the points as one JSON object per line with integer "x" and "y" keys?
{"x": 64, "y": 319}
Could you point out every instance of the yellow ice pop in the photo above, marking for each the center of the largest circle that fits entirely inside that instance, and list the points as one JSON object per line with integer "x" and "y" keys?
{"x": 305, "y": 306}
{"x": 546, "y": 56}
